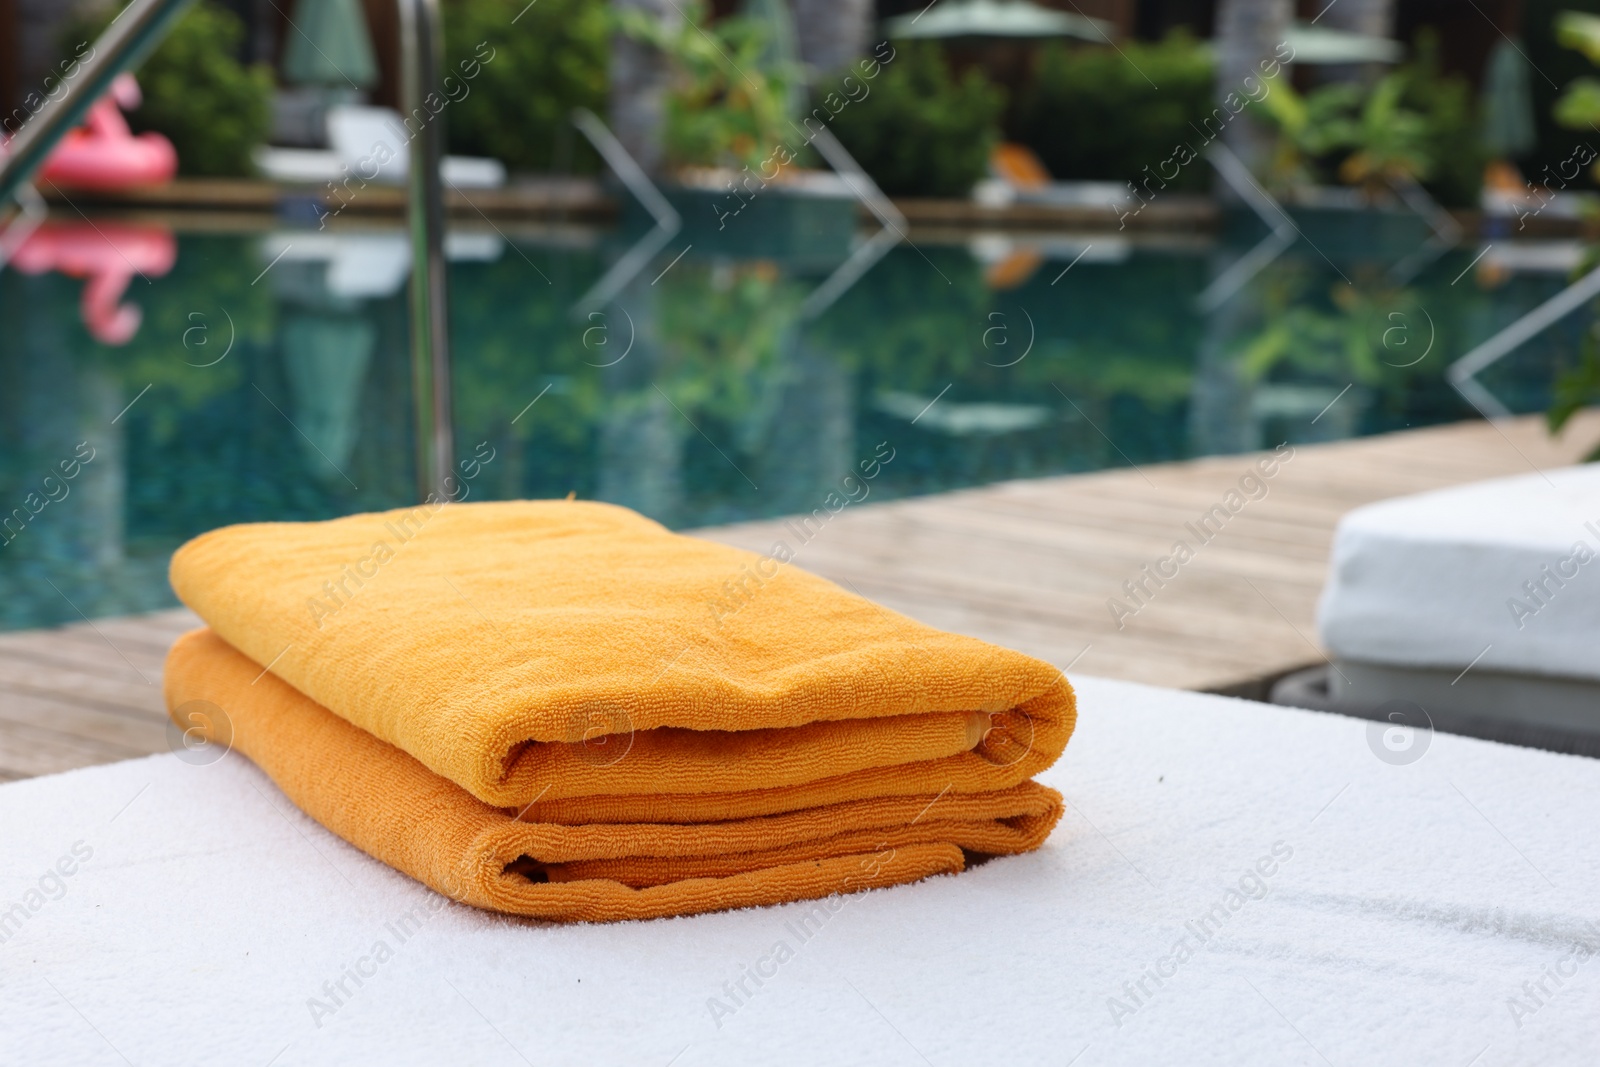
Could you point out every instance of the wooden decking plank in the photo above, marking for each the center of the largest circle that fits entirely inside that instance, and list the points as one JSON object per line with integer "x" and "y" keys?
{"x": 85, "y": 653}
{"x": 992, "y": 595}
{"x": 26, "y": 751}
{"x": 157, "y": 629}
{"x": 131, "y": 735}
{"x": 95, "y": 690}
{"x": 1261, "y": 528}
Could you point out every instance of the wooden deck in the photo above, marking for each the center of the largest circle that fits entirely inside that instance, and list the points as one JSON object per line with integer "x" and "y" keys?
{"x": 1028, "y": 564}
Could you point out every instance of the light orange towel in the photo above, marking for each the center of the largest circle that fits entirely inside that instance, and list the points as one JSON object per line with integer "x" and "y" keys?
{"x": 582, "y": 659}
{"x": 389, "y": 805}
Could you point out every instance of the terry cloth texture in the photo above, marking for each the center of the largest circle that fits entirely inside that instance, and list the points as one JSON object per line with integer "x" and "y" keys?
{"x": 388, "y": 804}
{"x": 564, "y": 710}
{"x": 583, "y": 659}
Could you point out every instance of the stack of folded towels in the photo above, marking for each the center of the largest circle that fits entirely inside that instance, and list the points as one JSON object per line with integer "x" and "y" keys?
{"x": 563, "y": 710}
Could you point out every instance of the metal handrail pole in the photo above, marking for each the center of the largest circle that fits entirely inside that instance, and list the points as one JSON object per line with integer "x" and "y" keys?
{"x": 420, "y": 64}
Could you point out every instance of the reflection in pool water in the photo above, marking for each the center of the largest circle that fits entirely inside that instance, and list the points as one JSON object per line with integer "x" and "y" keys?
{"x": 267, "y": 377}
{"x": 108, "y": 256}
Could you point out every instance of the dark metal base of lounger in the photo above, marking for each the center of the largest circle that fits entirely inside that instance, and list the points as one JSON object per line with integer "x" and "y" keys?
{"x": 1534, "y": 711}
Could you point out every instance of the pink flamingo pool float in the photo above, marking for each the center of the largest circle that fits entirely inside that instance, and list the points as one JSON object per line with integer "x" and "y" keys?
{"x": 103, "y": 154}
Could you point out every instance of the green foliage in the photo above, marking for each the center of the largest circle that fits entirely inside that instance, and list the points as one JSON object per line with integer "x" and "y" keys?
{"x": 1575, "y": 389}
{"x": 1392, "y": 342}
{"x": 531, "y": 76}
{"x": 1578, "y": 107}
{"x": 1413, "y": 124}
{"x": 1453, "y": 137}
{"x": 723, "y": 334}
{"x": 1578, "y": 387}
{"x": 729, "y": 100}
{"x": 922, "y": 132}
{"x": 888, "y": 324}
{"x": 213, "y": 108}
{"x": 1375, "y": 138}
{"x": 1310, "y": 129}
{"x": 1387, "y": 140}
{"x": 1555, "y": 65}
{"x": 1091, "y": 114}
{"x": 191, "y": 316}
{"x": 1575, "y": 29}
{"x": 718, "y": 338}
{"x": 1360, "y": 328}
{"x": 1118, "y": 337}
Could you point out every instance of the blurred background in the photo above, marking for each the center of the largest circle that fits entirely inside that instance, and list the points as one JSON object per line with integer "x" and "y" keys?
{"x": 1014, "y": 238}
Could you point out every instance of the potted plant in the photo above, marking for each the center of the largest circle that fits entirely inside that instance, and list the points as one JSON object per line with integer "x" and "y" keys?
{"x": 736, "y": 147}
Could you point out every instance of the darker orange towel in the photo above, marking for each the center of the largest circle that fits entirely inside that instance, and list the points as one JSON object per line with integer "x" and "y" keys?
{"x": 392, "y": 807}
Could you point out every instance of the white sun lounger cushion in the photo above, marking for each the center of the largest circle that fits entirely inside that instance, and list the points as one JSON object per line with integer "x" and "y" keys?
{"x": 1507, "y": 570}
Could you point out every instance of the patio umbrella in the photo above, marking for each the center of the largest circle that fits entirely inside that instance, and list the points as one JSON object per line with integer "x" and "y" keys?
{"x": 330, "y": 45}
{"x": 997, "y": 18}
{"x": 1508, "y": 121}
{"x": 1317, "y": 45}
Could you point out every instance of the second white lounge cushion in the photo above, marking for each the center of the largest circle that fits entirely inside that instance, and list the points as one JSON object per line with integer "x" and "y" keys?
{"x": 1508, "y": 570}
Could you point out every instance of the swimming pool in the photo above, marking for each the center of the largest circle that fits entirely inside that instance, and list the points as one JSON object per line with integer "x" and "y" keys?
{"x": 259, "y": 371}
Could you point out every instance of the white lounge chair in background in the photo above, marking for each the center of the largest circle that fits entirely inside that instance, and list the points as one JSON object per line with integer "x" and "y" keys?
{"x": 371, "y": 143}
{"x": 1480, "y": 604}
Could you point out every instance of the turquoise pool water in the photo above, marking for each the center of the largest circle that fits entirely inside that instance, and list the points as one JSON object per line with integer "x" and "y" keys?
{"x": 264, "y": 375}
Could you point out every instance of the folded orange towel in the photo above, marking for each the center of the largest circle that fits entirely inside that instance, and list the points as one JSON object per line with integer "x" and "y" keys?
{"x": 582, "y": 659}
{"x": 389, "y": 805}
